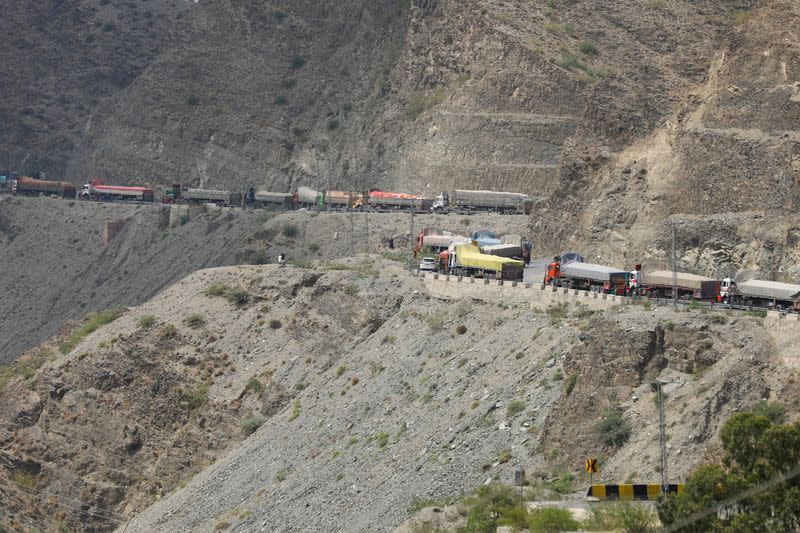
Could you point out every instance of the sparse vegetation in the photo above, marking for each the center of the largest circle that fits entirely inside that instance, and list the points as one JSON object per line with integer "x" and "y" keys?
{"x": 622, "y": 516}
{"x": 296, "y": 409}
{"x": 298, "y": 61}
{"x": 341, "y": 370}
{"x": 275, "y": 324}
{"x": 281, "y": 475}
{"x": 194, "y": 397}
{"x": 351, "y": 289}
{"x": 461, "y": 329}
{"x": 421, "y": 102}
{"x": 435, "y": 321}
{"x": 238, "y": 297}
{"x": 774, "y": 412}
{"x": 669, "y": 325}
{"x": 167, "y": 331}
{"x": 587, "y": 47}
{"x": 290, "y": 231}
{"x": 388, "y": 339}
{"x": 569, "y": 386}
{"x": 612, "y": 429}
{"x": 195, "y": 320}
{"x": 515, "y": 407}
{"x": 90, "y": 324}
{"x": 252, "y": 423}
{"x": 254, "y": 385}
{"x": 145, "y": 321}
{"x": 382, "y": 439}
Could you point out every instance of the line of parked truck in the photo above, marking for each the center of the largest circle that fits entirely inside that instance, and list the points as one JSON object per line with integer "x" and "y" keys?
{"x": 483, "y": 255}
{"x": 459, "y": 200}
{"x": 578, "y": 274}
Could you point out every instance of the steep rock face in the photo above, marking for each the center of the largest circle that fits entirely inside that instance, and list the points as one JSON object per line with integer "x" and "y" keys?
{"x": 726, "y": 158}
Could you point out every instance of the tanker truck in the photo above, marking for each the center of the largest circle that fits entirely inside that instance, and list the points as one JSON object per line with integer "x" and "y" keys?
{"x": 27, "y": 186}
{"x": 97, "y": 190}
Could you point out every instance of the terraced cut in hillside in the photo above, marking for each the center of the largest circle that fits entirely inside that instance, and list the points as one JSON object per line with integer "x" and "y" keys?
{"x": 364, "y": 394}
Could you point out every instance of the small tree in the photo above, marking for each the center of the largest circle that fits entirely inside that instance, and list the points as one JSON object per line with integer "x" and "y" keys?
{"x": 612, "y": 429}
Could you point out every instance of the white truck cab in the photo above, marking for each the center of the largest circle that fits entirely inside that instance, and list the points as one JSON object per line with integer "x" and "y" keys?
{"x": 441, "y": 203}
{"x": 727, "y": 289}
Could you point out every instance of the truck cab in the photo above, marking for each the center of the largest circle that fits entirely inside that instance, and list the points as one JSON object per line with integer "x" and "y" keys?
{"x": 441, "y": 203}
{"x": 727, "y": 290}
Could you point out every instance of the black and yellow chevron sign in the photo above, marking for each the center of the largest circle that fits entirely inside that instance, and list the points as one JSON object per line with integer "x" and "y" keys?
{"x": 591, "y": 465}
{"x": 628, "y": 491}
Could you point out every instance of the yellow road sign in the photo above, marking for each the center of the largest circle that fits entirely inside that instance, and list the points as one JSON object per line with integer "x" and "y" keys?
{"x": 591, "y": 465}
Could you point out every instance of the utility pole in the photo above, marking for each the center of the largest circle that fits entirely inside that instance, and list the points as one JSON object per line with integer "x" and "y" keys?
{"x": 352, "y": 232}
{"x": 411, "y": 230}
{"x": 366, "y": 232}
{"x": 674, "y": 272}
{"x": 662, "y": 438}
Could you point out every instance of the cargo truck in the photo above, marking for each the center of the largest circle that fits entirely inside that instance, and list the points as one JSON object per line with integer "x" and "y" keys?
{"x": 97, "y": 190}
{"x": 659, "y": 284}
{"x": 393, "y": 201}
{"x": 586, "y": 276}
{"x": 275, "y": 199}
{"x": 465, "y": 201}
{"x": 467, "y": 260}
{"x": 760, "y": 293}
{"x": 28, "y": 186}
{"x": 188, "y": 195}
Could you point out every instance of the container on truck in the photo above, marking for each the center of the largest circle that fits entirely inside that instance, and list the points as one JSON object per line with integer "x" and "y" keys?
{"x": 586, "y": 276}
{"x": 760, "y": 293}
{"x": 659, "y": 283}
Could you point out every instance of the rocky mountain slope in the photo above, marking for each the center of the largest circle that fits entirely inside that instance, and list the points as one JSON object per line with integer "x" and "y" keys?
{"x": 623, "y": 120}
{"x": 371, "y": 393}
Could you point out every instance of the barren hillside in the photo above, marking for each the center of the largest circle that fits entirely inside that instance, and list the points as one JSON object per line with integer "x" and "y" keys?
{"x": 371, "y": 393}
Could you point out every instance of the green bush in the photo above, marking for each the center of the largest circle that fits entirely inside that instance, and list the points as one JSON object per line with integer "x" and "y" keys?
{"x": 572, "y": 378}
{"x": 290, "y": 231}
{"x": 296, "y": 410}
{"x": 145, "y": 321}
{"x": 563, "y": 484}
{"x": 298, "y": 61}
{"x": 351, "y": 289}
{"x": 382, "y": 438}
{"x": 422, "y": 101}
{"x": 333, "y": 123}
{"x": 90, "y": 324}
{"x": 669, "y": 325}
{"x": 252, "y": 423}
{"x": 551, "y": 520}
{"x": 491, "y": 506}
{"x": 626, "y": 517}
{"x": 216, "y": 289}
{"x": 612, "y": 429}
{"x": 238, "y": 297}
{"x": 192, "y": 100}
{"x": 587, "y": 47}
{"x": 774, "y": 412}
{"x": 195, "y": 320}
{"x": 254, "y": 385}
{"x": 195, "y": 397}
{"x": 515, "y": 407}
{"x": 719, "y": 319}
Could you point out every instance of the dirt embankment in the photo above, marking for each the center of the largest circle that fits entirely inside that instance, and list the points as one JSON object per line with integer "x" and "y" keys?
{"x": 369, "y": 395}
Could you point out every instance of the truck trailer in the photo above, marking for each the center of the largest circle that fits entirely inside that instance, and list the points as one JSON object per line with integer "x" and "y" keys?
{"x": 467, "y": 260}
{"x": 393, "y": 201}
{"x": 97, "y": 190}
{"x": 466, "y": 201}
{"x": 659, "y": 284}
{"x": 27, "y": 186}
{"x": 272, "y": 199}
{"x": 586, "y": 276}
{"x": 760, "y": 293}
